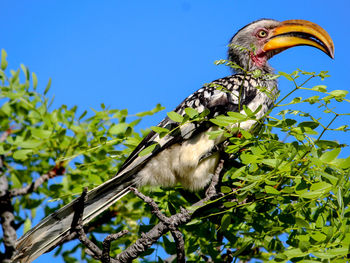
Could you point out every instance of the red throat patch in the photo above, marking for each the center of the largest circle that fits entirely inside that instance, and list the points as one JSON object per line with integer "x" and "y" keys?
{"x": 259, "y": 59}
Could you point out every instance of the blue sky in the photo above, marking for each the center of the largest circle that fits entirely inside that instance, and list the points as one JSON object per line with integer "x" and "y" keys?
{"x": 135, "y": 54}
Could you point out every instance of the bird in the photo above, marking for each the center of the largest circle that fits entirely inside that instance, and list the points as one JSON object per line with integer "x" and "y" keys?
{"x": 187, "y": 155}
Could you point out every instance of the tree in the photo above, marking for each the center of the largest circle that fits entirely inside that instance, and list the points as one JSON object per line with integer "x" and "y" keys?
{"x": 271, "y": 200}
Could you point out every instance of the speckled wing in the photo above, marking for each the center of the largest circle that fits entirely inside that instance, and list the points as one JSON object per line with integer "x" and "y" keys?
{"x": 218, "y": 97}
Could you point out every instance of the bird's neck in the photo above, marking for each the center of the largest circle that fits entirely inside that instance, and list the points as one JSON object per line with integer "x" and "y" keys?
{"x": 250, "y": 61}
{"x": 250, "y": 66}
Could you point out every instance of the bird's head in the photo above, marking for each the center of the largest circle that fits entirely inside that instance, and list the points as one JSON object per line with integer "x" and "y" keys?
{"x": 257, "y": 42}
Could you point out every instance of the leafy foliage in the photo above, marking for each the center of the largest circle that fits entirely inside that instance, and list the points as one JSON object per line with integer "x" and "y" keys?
{"x": 86, "y": 148}
{"x": 283, "y": 200}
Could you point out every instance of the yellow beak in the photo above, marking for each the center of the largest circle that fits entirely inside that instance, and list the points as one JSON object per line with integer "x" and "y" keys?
{"x": 299, "y": 32}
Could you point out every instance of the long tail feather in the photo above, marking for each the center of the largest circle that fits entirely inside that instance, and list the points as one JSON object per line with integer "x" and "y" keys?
{"x": 55, "y": 227}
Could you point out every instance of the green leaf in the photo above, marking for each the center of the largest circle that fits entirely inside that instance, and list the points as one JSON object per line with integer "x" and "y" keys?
{"x": 159, "y": 130}
{"x": 294, "y": 252}
{"x": 256, "y": 73}
{"x": 248, "y": 111}
{"x": 249, "y": 158}
{"x": 171, "y": 208}
{"x": 317, "y": 190}
{"x": 296, "y": 100}
{"x": 214, "y": 134}
{"x": 27, "y": 225}
{"x": 225, "y": 189}
{"x": 342, "y": 128}
{"x": 309, "y": 124}
{"x": 4, "y": 62}
{"x": 30, "y": 144}
{"x": 342, "y": 163}
{"x": 225, "y": 221}
{"x": 25, "y": 71}
{"x": 175, "y": 116}
{"x": 339, "y": 93}
{"x": 21, "y": 154}
{"x": 204, "y": 113}
{"x": 340, "y": 198}
{"x": 320, "y": 88}
{"x": 321, "y": 186}
{"x": 15, "y": 181}
{"x": 330, "y": 253}
{"x": 328, "y": 157}
{"x": 280, "y": 257}
{"x": 40, "y": 134}
{"x": 220, "y": 62}
{"x": 118, "y": 128}
{"x": 169, "y": 247}
{"x": 151, "y": 112}
{"x": 34, "y": 80}
{"x": 191, "y": 112}
{"x": 271, "y": 190}
{"x": 103, "y": 140}
{"x": 48, "y": 86}
{"x": 301, "y": 222}
{"x": 286, "y": 75}
{"x": 312, "y": 100}
{"x": 229, "y": 204}
{"x": 148, "y": 149}
{"x": 304, "y": 246}
{"x": 325, "y": 144}
{"x": 246, "y": 134}
{"x": 220, "y": 122}
{"x": 270, "y": 162}
{"x": 237, "y": 115}
{"x": 82, "y": 115}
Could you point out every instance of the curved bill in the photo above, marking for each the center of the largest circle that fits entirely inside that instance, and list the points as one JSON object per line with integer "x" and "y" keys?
{"x": 292, "y": 33}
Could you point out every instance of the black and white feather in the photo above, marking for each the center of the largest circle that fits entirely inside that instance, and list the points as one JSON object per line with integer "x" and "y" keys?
{"x": 185, "y": 156}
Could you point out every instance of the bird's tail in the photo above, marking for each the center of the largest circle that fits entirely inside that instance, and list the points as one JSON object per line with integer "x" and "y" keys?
{"x": 55, "y": 227}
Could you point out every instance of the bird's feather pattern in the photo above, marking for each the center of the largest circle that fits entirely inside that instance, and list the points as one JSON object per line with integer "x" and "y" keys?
{"x": 220, "y": 96}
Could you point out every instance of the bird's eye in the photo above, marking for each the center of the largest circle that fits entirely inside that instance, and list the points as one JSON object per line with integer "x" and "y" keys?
{"x": 262, "y": 33}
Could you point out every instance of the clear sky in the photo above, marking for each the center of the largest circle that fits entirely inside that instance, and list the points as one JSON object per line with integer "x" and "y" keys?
{"x": 135, "y": 54}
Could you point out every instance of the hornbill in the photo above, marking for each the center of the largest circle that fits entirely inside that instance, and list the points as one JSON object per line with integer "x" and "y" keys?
{"x": 188, "y": 156}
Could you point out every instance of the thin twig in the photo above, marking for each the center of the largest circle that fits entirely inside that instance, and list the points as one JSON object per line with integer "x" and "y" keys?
{"x": 152, "y": 204}
{"x": 57, "y": 170}
{"x": 148, "y": 239}
{"x": 104, "y": 219}
{"x": 211, "y": 191}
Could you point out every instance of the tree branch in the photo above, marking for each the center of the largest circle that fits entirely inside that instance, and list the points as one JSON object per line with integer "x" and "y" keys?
{"x": 146, "y": 240}
{"x": 6, "y": 217}
{"x": 77, "y": 225}
{"x": 92, "y": 249}
{"x": 105, "y": 218}
{"x": 106, "y": 244}
{"x": 180, "y": 246}
{"x": 57, "y": 170}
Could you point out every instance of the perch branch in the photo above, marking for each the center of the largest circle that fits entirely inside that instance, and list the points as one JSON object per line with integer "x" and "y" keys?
{"x": 146, "y": 240}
